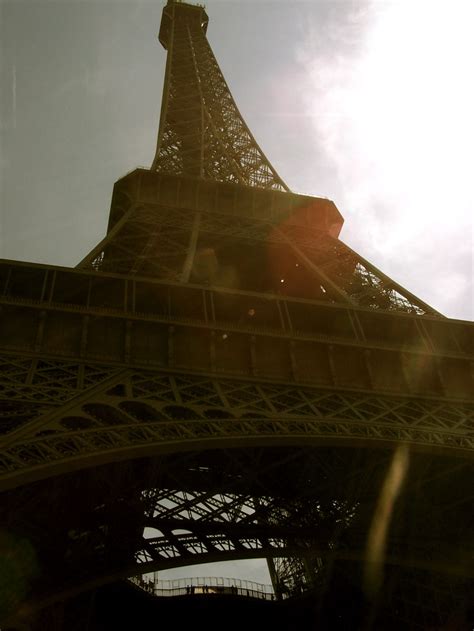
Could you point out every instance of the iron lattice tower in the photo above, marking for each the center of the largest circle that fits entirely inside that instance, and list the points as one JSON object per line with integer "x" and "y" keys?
{"x": 223, "y": 378}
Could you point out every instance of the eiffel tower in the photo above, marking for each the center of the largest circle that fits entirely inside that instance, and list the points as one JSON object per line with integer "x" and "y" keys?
{"x": 222, "y": 378}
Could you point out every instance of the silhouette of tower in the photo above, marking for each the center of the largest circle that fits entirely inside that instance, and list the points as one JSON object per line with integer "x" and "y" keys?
{"x": 223, "y": 378}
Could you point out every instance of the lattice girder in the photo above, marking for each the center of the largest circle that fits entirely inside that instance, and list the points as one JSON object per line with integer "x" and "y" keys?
{"x": 132, "y": 413}
{"x": 202, "y": 133}
{"x": 215, "y": 238}
{"x": 198, "y": 506}
{"x": 136, "y": 322}
{"x": 222, "y": 378}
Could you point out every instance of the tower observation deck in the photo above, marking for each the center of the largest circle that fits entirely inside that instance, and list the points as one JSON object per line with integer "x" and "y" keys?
{"x": 223, "y": 378}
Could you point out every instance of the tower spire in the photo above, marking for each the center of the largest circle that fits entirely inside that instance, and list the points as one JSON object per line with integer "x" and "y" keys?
{"x": 202, "y": 133}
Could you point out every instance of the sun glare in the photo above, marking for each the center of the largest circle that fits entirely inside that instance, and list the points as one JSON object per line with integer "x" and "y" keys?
{"x": 416, "y": 100}
{"x": 396, "y": 117}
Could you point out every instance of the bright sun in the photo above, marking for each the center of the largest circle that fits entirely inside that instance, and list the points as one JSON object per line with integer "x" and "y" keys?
{"x": 394, "y": 116}
{"x": 416, "y": 100}
{"x": 397, "y": 119}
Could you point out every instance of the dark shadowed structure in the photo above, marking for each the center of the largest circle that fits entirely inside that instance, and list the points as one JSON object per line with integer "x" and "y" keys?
{"x": 223, "y": 378}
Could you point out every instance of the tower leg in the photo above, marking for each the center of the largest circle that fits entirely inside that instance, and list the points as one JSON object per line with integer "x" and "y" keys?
{"x": 274, "y": 579}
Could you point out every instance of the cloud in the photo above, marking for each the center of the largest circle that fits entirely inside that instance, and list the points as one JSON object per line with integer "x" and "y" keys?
{"x": 391, "y": 109}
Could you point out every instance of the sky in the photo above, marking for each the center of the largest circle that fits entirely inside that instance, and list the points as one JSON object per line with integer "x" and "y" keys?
{"x": 367, "y": 102}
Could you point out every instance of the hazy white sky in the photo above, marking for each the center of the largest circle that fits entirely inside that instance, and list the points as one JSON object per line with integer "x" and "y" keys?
{"x": 367, "y": 102}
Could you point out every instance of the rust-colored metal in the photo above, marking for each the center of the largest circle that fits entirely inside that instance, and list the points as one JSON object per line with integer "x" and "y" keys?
{"x": 223, "y": 378}
{"x": 202, "y": 133}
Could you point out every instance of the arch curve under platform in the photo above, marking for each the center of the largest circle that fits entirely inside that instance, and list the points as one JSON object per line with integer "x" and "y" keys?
{"x": 87, "y": 446}
{"x": 240, "y": 503}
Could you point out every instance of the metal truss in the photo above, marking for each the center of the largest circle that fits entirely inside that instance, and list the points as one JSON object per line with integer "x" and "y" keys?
{"x": 181, "y": 244}
{"x": 201, "y": 132}
{"x": 222, "y": 378}
{"x": 204, "y": 506}
{"x": 126, "y": 414}
{"x": 184, "y": 523}
{"x": 131, "y": 322}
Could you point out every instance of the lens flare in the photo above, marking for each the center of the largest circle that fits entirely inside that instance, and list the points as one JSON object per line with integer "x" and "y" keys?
{"x": 18, "y": 567}
{"x": 376, "y": 541}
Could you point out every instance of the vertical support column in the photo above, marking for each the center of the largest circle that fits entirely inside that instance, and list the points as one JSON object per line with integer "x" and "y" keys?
{"x": 7, "y": 282}
{"x": 170, "y": 346}
{"x": 40, "y": 331}
{"x": 84, "y": 332}
{"x": 31, "y": 371}
{"x": 128, "y": 341}
{"x": 332, "y": 363}
{"x": 212, "y": 351}
{"x": 310, "y": 572}
{"x": 44, "y": 286}
{"x": 253, "y": 356}
{"x": 368, "y": 366}
{"x": 294, "y": 364}
{"x": 356, "y": 325}
{"x": 315, "y": 270}
{"x": 274, "y": 578}
{"x": 188, "y": 263}
{"x": 51, "y": 287}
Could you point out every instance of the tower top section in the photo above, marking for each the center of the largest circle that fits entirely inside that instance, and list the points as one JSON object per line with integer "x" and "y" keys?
{"x": 176, "y": 10}
{"x": 202, "y": 133}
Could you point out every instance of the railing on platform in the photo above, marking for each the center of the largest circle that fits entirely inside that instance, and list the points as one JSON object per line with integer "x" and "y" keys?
{"x": 204, "y": 586}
